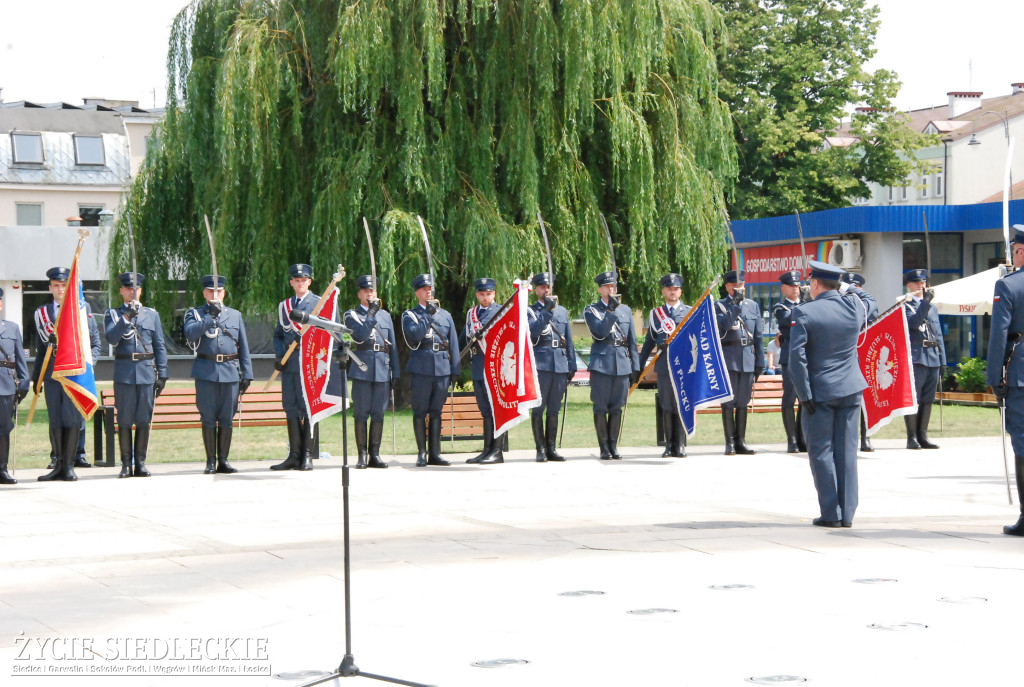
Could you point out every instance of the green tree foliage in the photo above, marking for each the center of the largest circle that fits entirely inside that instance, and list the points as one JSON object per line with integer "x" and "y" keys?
{"x": 289, "y": 121}
{"x": 795, "y": 69}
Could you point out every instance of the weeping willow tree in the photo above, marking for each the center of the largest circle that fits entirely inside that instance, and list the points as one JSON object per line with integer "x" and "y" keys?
{"x": 289, "y": 121}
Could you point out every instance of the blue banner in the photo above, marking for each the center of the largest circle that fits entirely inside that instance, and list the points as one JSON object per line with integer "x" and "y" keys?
{"x": 696, "y": 364}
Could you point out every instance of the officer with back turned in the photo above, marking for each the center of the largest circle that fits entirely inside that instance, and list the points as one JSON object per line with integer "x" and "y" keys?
{"x": 551, "y": 334}
{"x": 614, "y": 362}
{"x": 477, "y": 318}
{"x": 140, "y": 371}
{"x": 222, "y": 369}
{"x": 927, "y": 350}
{"x": 14, "y": 386}
{"x": 1005, "y": 372}
{"x": 433, "y": 366}
{"x": 374, "y": 335}
{"x": 663, "y": 321}
{"x": 740, "y": 327}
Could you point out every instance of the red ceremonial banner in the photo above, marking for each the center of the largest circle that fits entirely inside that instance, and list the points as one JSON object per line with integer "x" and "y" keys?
{"x": 888, "y": 369}
{"x": 510, "y": 370}
{"x": 72, "y": 361}
{"x": 316, "y": 347}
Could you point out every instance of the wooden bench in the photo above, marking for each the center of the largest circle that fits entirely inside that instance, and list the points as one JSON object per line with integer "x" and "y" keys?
{"x": 468, "y": 423}
{"x": 176, "y": 409}
{"x": 766, "y": 397}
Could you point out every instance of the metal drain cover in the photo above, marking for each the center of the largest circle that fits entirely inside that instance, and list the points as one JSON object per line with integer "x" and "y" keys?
{"x": 582, "y": 592}
{"x": 776, "y": 679}
{"x": 875, "y": 580}
{"x": 963, "y": 599}
{"x": 651, "y": 611}
{"x": 731, "y": 586}
{"x": 897, "y": 627}
{"x": 301, "y": 675}
{"x": 499, "y": 662}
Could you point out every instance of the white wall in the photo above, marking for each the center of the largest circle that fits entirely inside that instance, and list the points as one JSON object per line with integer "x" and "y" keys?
{"x": 976, "y": 172}
{"x": 59, "y": 202}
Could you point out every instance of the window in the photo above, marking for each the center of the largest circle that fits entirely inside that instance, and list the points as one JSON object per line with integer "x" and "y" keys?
{"x": 905, "y": 189}
{"x": 29, "y": 214}
{"x": 28, "y": 148}
{"x": 892, "y": 193}
{"x": 90, "y": 215}
{"x": 925, "y": 182}
{"x": 89, "y": 150}
{"x": 940, "y": 182}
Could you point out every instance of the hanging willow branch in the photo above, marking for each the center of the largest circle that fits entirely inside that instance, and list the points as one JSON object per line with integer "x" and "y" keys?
{"x": 289, "y": 121}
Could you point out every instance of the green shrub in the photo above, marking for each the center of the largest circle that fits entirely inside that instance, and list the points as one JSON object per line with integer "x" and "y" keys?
{"x": 970, "y": 375}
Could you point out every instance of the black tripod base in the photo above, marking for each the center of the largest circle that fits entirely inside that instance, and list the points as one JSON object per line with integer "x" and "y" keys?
{"x": 348, "y": 668}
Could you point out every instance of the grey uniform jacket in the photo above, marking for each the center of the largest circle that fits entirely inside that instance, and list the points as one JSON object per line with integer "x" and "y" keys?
{"x": 434, "y": 353}
{"x": 551, "y": 354}
{"x": 783, "y": 312}
{"x": 1007, "y": 323}
{"x": 375, "y": 345}
{"x": 146, "y": 336}
{"x": 225, "y": 335}
{"x": 923, "y": 321}
{"x": 11, "y": 351}
{"x": 484, "y": 315}
{"x": 658, "y": 336}
{"x": 46, "y": 322}
{"x": 742, "y": 332}
{"x": 614, "y": 350}
{"x": 823, "y": 350}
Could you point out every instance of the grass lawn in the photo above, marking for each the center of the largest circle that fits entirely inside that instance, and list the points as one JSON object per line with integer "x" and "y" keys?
{"x": 185, "y": 445}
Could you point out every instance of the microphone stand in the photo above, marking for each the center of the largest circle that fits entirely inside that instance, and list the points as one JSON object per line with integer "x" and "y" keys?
{"x": 348, "y": 667}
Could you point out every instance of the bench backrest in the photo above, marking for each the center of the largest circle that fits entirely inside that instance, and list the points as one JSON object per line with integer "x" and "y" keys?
{"x": 176, "y": 408}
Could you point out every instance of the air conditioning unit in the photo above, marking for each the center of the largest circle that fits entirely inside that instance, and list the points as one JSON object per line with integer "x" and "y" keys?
{"x": 845, "y": 254}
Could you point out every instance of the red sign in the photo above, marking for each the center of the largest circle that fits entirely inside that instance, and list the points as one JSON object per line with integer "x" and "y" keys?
{"x": 510, "y": 371}
{"x": 764, "y": 265}
{"x": 887, "y": 368}
{"x": 316, "y": 348}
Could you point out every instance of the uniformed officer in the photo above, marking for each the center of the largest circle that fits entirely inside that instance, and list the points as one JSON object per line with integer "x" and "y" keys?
{"x": 433, "y": 366}
{"x": 1005, "y": 370}
{"x": 826, "y": 374}
{"x": 857, "y": 281}
{"x": 614, "y": 363}
{"x": 791, "y": 298}
{"x": 67, "y": 425}
{"x": 374, "y": 334}
{"x": 927, "y": 350}
{"x": 222, "y": 369}
{"x": 14, "y": 387}
{"x": 140, "y": 371}
{"x": 662, "y": 322}
{"x": 301, "y": 442}
{"x": 477, "y": 318}
{"x": 555, "y": 357}
{"x": 740, "y": 327}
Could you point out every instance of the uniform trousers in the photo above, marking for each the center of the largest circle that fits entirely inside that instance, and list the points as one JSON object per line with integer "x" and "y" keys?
{"x": 926, "y": 379}
{"x": 608, "y": 393}
{"x": 666, "y": 394}
{"x": 788, "y": 390}
{"x": 428, "y": 394}
{"x": 291, "y": 394}
{"x": 61, "y": 409}
{"x": 742, "y": 386}
{"x": 216, "y": 401}
{"x": 482, "y": 401}
{"x": 134, "y": 403}
{"x": 7, "y": 407}
{"x": 370, "y": 399}
{"x": 1015, "y": 418}
{"x": 832, "y": 433}
{"x": 552, "y": 389}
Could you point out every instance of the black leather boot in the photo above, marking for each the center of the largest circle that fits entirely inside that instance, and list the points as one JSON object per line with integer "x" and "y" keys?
{"x": 789, "y": 424}
{"x": 801, "y": 445}
{"x": 1017, "y": 530}
{"x": 5, "y": 454}
{"x": 376, "y": 432}
{"x": 294, "y": 459}
{"x": 741, "y": 433}
{"x": 551, "y": 439}
{"x": 614, "y": 425}
{"x": 488, "y": 441}
{"x": 124, "y": 438}
{"x": 537, "y": 422}
{"x": 496, "y": 454}
{"x": 669, "y": 428}
{"x": 71, "y": 435}
{"x": 924, "y": 416}
{"x": 865, "y": 441}
{"x": 729, "y": 427}
{"x": 210, "y": 445}
{"x": 361, "y": 436}
{"x": 141, "y": 449}
{"x": 80, "y": 459}
{"x": 679, "y": 437}
{"x": 310, "y": 445}
{"x": 601, "y": 426}
{"x": 911, "y": 422}
{"x": 419, "y": 430}
{"x": 435, "y": 442}
{"x": 223, "y": 449}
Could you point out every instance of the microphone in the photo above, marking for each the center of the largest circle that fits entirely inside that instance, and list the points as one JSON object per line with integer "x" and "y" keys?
{"x": 318, "y": 322}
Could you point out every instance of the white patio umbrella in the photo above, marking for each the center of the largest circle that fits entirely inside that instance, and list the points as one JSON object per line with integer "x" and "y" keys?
{"x": 968, "y": 296}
